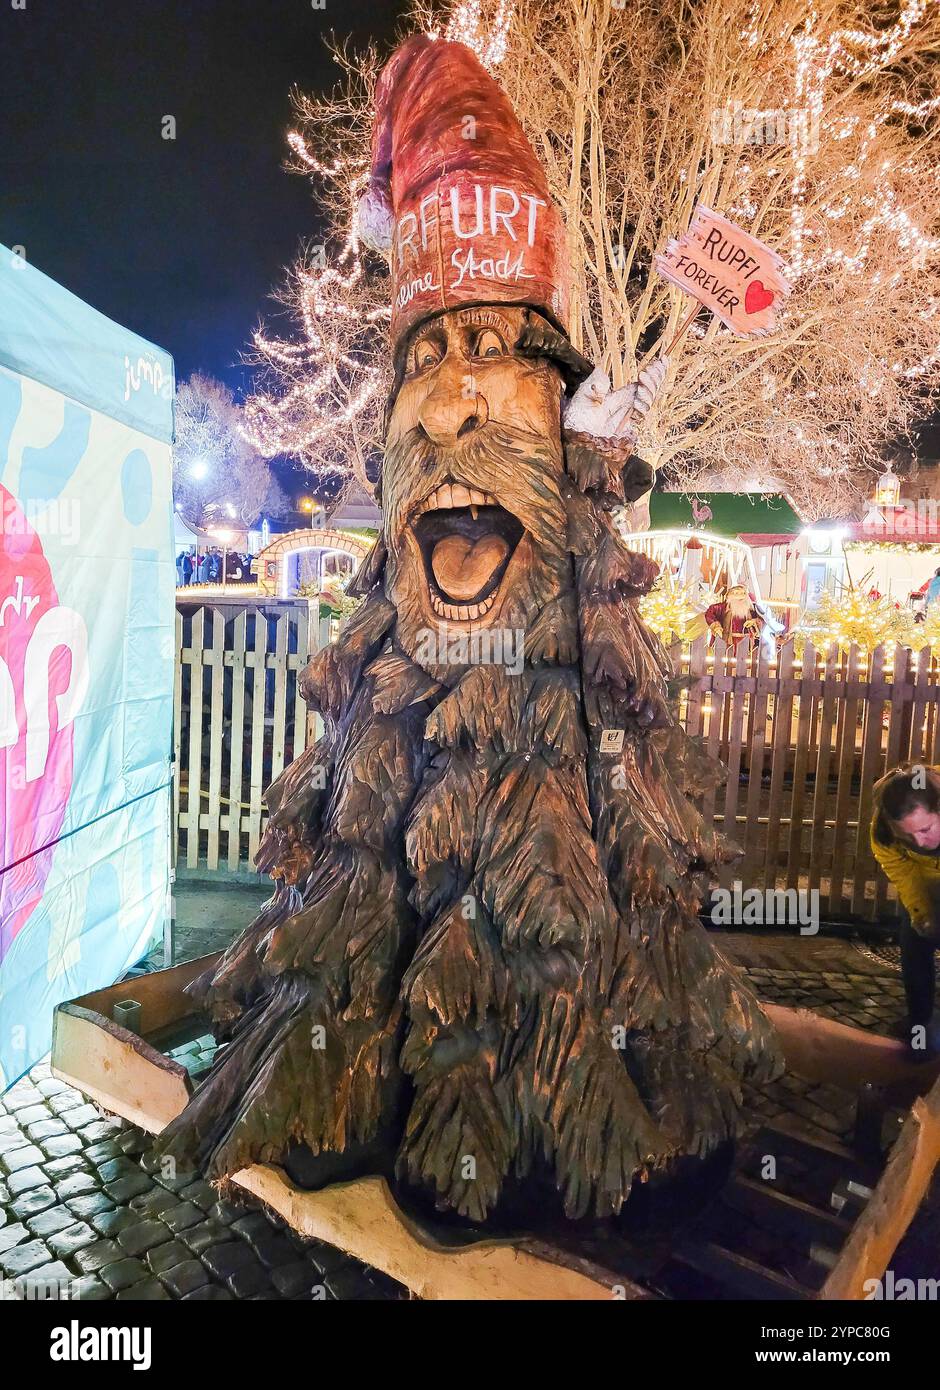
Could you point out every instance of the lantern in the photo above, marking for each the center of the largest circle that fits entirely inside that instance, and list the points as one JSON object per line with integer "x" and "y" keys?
{"x": 888, "y": 489}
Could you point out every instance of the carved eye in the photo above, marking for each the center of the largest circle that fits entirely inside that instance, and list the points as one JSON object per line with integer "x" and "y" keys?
{"x": 426, "y": 353}
{"x": 489, "y": 344}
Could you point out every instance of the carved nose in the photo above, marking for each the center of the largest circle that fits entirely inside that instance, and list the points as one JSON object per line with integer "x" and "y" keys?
{"x": 451, "y": 411}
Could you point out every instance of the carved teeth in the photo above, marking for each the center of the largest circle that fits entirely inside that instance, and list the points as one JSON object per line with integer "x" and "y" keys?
{"x": 462, "y": 612}
{"x": 449, "y": 496}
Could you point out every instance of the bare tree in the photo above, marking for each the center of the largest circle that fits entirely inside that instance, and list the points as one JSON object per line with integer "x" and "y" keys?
{"x": 219, "y": 479}
{"x": 812, "y": 126}
{"x": 323, "y": 374}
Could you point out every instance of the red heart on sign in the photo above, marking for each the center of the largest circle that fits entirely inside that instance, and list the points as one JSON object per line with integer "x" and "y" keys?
{"x": 757, "y": 297}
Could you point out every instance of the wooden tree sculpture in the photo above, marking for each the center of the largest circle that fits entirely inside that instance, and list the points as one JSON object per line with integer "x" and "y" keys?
{"x": 482, "y": 967}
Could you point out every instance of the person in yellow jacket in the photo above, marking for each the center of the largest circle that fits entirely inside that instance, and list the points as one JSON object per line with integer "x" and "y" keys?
{"x": 905, "y": 840}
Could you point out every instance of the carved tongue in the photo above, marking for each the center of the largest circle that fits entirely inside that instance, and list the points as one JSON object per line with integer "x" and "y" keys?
{"x": 463, "y": 567}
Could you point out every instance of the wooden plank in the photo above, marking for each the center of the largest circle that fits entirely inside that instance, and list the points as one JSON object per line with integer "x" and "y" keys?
{"x": 820, "y": 1049}
{"x": 257, "y": 784}
{"x": 751, "y": 869}
{"x": 363, "y": 1219}
{"x": 314, "y": 723}
{"x": 800, "y": 764}
{"x": 714, "y": 711}
{"x": 933, "y": 740}
{"x": 194, "y": 761}
{"x": 871, "y": 759}
{"x": 781, "y": 1212}
{"x": 299, "y": 722}
{"x": 216, "y": 724}
{"x": 845, "y": 770}
{"x": 831, "y": 690}
{"x": 280, "y": 696}
{"x": 783, "y": 715}
{"x": 903, "y": 1185}
{"x": 119, "y": 1070}
{"x": 919, "y": 708}
{"x": 898, "y": 723}
{"x": 698, "y": 653}
{"x": 237, "y": 740}
{"x": 737, "y": 704}
{"x": 739, "y": 1275}
{"x": 160, "y": 994}
{"x": 823, "y": 1152}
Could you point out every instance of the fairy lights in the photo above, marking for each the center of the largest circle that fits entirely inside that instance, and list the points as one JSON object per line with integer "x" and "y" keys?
{"x": 852, "y": 209}
{"x": 817, "y": 63}
{"x": 487, "y": 39}
{"x": 843, "y": 218}
{"x": 669, "y": 608}
{"x": 857, "y": 616}
{"x": 327, "y": 378}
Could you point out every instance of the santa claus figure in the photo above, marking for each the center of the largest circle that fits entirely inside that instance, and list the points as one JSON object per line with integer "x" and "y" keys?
{"x": 735, "y": 616}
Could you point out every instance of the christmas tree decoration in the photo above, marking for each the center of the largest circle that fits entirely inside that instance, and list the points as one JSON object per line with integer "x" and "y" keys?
{"x": 670, "y": 609}
{"x": 927, "y": 632}
{"x": 857, "y": 615}
{"x": 482, "y": 973}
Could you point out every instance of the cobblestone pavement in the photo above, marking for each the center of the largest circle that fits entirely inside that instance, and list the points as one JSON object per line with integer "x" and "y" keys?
{"x": 81, "y": 1204}
{"x": 836, "y": 978}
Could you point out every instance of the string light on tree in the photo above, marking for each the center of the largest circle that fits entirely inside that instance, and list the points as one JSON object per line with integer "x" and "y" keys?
{"x": 485, "y": 35}
{"x": 850, "y": 198}
{"x": 858, "y": 615}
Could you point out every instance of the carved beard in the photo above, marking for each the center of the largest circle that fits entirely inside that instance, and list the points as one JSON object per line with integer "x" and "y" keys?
{"x": 476, "y": 539}
{"x": 484, "y": 943}
{"x": 739, "y": 606}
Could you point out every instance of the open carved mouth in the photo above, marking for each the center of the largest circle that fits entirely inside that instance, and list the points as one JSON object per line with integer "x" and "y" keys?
{"x": 467, "y": 541}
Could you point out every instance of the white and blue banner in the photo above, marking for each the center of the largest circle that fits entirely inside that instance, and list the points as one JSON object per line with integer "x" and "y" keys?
{"x": 87, "y": 580}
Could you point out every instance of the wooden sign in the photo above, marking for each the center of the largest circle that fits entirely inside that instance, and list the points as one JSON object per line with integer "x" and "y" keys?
{"x": 740, "y": 279}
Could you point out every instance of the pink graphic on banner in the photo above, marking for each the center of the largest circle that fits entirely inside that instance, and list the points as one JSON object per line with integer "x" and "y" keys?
{"x": 36, "y": 676}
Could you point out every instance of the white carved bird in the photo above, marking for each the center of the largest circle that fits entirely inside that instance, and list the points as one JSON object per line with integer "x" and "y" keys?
{"x": 595, "y": 409}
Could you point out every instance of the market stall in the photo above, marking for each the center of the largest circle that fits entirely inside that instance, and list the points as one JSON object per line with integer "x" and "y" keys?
{"x": 86, "y": 652}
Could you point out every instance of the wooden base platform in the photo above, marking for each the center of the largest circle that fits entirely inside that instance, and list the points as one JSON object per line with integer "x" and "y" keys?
{"x": 130, "y": 1076}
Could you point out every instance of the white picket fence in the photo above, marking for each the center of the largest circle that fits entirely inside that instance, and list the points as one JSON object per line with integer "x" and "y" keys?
{"x": 803, "y": 742}
{"x": 238, "y": 721}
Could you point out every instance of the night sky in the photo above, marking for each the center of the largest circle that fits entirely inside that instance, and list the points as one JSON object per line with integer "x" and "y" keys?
{"x": 181, "y": 241}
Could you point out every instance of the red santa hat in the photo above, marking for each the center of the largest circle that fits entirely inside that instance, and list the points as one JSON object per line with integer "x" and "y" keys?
{"x": 456, "y": 195}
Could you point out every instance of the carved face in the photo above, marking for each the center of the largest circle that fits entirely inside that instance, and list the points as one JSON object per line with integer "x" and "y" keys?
{"x": 474, "y": 521}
